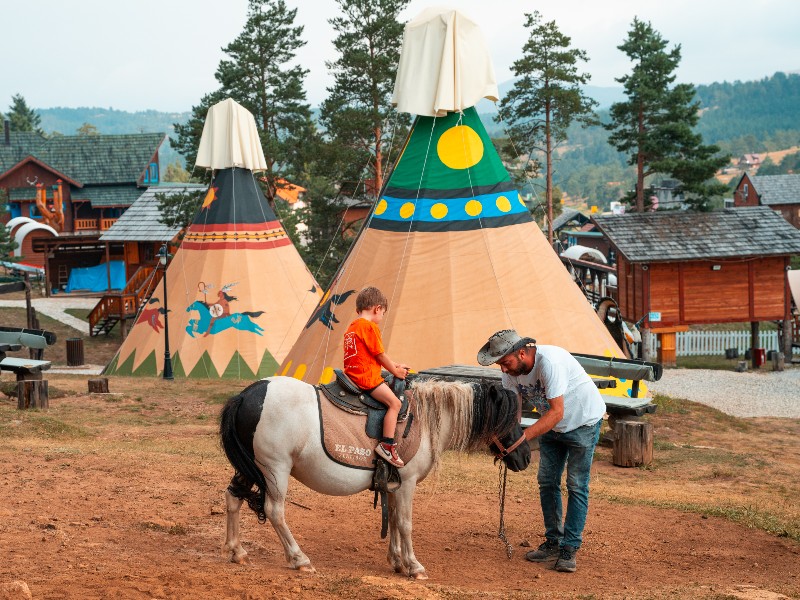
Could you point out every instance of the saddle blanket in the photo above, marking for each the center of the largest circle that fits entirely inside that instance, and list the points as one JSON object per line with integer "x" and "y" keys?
{"x": 345, "y": 441}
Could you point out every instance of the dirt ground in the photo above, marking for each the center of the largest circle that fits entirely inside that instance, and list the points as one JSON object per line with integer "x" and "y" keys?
{"x": 121, "y": 496}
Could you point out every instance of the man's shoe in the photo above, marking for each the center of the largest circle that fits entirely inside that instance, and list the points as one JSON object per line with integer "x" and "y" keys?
{"x": 389, "y": 454}
{"x": 546, "y": 552}
{"x": 566, "y": 560}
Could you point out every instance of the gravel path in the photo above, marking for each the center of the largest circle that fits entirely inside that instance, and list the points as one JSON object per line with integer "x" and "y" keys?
{"x": 749, "y": 394}
{"x": 55, "y": 307}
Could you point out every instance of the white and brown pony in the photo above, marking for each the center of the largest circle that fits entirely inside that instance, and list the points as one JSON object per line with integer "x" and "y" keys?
{"x": 271, "y": 430}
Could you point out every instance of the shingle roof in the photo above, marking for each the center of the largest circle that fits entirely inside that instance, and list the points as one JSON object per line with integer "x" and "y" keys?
{"x": 567, "y": 215}
{"x": 140, "y": 222}
{"x": 90, "y": 159}
{"x": 777, "y": 189}
{"x": 108, "y": 195}
{"x": 685, "y": 235}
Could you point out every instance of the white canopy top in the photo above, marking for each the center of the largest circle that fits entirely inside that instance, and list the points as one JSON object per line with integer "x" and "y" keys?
{"x": 444, "y": 65}
{"x": 230, "y": 139}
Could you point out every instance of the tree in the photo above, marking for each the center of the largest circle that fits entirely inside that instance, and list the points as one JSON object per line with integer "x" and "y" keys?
{"x": 179, "y": 209}
{"x": 358, "y": 117}
{"x": 655, "y": 125}
{"x": 176, "y": 173}
{"x": 260, "y": 74}
{"x": 546, "y": 97}
{"x": 87, "y": 129}
{"x": 23, "y": 118}
{"x": 7, "y": 243}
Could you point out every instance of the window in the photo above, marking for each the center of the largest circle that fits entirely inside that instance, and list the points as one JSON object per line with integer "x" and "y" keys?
{"x": 153, "y": 170}
{"x": 745, "y": 191}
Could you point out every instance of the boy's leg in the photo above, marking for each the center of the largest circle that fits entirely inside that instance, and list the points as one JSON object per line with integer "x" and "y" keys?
{"x": 384, "y": 395}
{"x": 387, "y": 448}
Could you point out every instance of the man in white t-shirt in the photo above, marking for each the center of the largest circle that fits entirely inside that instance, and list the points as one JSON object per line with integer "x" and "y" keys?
{"x": 571, "y": 412}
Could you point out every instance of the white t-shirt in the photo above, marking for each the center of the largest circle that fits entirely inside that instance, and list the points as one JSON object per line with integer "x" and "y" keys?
{"x": 557, "y": 373}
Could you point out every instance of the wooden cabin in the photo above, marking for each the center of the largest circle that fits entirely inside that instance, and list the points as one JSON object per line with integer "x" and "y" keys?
{"x": 676, "y": 269}
{"x": 781, "y": 193}
{"x": 63, "y": 192}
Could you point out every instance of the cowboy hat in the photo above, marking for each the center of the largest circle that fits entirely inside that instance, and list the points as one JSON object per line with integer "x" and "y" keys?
{"x": 501, "y": 343}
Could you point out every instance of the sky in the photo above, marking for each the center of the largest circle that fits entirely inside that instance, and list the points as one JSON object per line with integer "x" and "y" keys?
{"x": 162, "y": 54}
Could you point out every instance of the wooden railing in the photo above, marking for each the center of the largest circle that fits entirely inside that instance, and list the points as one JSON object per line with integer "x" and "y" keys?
{"x": 85, "y": 224}
{"x": 106, "y": 223}
{"x": 124, "y": 305}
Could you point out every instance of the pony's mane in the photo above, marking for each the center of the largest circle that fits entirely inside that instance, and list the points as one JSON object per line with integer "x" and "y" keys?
{"x": 435, "y": 398}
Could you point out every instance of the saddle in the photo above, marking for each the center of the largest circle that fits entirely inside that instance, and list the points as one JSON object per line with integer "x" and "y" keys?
{"x": 347, "y": 396}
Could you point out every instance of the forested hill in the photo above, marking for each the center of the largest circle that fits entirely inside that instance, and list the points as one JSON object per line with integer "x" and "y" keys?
{"x": 752, "y": 116}
{"x": 108, "y": 121}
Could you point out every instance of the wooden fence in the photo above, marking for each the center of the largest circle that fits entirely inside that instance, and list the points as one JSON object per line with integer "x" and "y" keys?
{"x": 714, "y": 343}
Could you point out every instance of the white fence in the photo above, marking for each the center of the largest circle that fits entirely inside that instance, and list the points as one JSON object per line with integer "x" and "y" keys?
{"x": 711, "y": 343}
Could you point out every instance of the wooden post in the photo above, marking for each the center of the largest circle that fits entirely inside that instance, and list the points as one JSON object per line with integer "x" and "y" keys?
{"x": 754, "y": 343}
{"x": 32, "y": 393}
{"x": 645, "y": 353}
{"x": 633, "y": 444}
{"x": 98, "y": 386}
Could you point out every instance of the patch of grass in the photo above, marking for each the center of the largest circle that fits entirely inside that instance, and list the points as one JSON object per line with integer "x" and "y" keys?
{"x": 218, "y": 398}
{"x": 669, "y": 405}
{"x": 33, "y": 423}
{"x": 718, "y": 363}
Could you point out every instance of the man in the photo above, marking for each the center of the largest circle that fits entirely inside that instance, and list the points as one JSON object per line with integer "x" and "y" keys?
{"x": 571, "y": 412}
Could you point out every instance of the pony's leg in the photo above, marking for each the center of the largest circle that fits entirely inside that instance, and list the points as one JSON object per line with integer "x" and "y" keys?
{"x": 275, "y": 510}
{"x": 394, "y": 557}
{"x": 232, "y": 542}
{"x": 403, "y": 505}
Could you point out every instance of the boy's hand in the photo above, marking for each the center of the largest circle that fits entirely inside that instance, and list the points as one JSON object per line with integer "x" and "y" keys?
{"x": 402, "y": 370}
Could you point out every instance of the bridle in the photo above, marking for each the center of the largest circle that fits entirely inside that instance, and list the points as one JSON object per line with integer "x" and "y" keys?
{"x": 503, "y": 450}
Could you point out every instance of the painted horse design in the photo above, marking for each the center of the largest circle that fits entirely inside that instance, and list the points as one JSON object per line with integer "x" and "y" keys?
{"x": 208, "y": 324}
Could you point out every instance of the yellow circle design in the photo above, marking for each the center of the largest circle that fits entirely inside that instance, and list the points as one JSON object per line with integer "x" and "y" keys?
{"x": 439, "y": 210}
{"x": 521, "y": 199}
{"x": 381, "y": 208}
{"x": 407, "y": 210}
{"x": 327, "y": 375}
{"x": 460, "y": 147}
{"x": 473, "y": 208}
{"x": 503, "y": 203}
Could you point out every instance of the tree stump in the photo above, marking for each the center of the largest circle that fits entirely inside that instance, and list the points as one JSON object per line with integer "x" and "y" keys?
{"x": 633, "y": 444}
{"x": 98, "y": 386}
{"x": 32, "y": 393}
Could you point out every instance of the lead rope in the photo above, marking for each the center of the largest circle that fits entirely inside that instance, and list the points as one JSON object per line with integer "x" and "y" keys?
{"x": 501, "y": 492}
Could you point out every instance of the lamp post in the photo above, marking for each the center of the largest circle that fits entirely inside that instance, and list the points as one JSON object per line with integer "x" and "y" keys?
{"x": 163, "y": 256}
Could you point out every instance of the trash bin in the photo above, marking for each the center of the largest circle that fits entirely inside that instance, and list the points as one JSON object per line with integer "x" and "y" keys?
{"x": 760, "y": 357}
{"x": 74, "y": 352}
{"x": 731, "y": 353}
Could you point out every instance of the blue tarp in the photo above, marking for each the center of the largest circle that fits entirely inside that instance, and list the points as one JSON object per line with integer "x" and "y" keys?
{"x": 95, "y": 279}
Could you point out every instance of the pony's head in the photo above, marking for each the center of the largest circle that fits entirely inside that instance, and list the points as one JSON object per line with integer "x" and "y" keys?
{"x": 507, "y": 441}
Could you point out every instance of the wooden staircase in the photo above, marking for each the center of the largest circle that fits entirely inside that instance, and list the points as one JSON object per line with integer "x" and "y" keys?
{"x": 124, "y": 305}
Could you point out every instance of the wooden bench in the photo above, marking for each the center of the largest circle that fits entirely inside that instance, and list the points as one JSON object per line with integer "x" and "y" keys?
{"x": 32, "y": 390}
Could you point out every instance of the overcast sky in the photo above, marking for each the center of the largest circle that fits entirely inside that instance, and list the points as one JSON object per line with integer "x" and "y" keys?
{"x": 162, "y": 54}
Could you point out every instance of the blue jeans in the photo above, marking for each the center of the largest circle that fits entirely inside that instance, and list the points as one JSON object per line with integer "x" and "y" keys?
{"x": 575, "y": 449}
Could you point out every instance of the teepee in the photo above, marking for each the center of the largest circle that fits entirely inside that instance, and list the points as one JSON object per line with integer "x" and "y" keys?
{"x": 450, "y": 241}
{"x": 238, "y": 291}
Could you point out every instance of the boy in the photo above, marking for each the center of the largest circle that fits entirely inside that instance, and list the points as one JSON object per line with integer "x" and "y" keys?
{"x": 363, "y": 358}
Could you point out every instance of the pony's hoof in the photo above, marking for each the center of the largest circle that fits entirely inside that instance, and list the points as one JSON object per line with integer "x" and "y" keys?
{"x": 240, "y": 559}
{"x": 419, "y": 576}
{"x": 307, "y": 569}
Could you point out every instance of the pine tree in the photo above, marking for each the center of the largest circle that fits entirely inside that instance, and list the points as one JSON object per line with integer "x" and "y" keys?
{"x": 655, "y": 125}
{"x": 23, "y": 118}
{"x": 260, "y": 74}
{"x": 357, "y": 115}
{"x": 546, "y": 98}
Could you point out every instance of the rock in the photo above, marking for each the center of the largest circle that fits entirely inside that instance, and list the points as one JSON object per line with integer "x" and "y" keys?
{"x": 16, "y": 590}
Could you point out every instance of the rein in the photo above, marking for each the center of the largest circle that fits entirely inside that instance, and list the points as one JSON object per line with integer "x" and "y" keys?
{"x": 501, "y": 492}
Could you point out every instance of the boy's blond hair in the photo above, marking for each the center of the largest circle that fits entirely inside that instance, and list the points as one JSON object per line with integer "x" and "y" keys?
{"x": 369, "y": 297}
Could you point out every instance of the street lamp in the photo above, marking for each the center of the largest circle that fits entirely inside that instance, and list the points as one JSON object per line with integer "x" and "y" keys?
{"x": 163, "y": 256}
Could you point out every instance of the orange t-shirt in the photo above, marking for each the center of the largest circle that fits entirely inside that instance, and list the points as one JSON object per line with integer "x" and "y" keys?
{"x": 362, "y": 343}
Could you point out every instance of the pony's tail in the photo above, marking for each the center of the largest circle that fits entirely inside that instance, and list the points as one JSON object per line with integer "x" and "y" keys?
{"x": 242, "y": 458}
{"x": 253, "y": 314}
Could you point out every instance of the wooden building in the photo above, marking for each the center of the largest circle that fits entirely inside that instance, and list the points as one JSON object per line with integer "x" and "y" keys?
{"x": 779, "y": 192}
{"x": 68, "y": 190}
{"x": 676, "y": 269}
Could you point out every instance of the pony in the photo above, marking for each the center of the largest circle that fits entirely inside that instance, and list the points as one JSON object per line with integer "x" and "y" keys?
{"x": 204, "y": 324}
{"x": 271, "y": 430}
